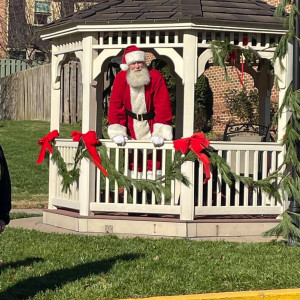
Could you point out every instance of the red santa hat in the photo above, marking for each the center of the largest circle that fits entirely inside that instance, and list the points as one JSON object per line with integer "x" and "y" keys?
{"x": 131, "y": 54}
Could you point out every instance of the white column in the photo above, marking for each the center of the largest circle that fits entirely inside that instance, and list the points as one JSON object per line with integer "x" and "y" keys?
{"x": 55, "y": 116}
{"x": 89, "y": 109}
{"x": 285, "y": 79}
{"x": 190, "y": 59}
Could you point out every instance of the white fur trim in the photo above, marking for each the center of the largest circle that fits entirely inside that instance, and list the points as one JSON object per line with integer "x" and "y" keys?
{"x": 116, "y": 129}
{"x": 166, "y": 131}
{"x": 134, "y": 56}
{"x": 138, "y": 106}
{"x": 124, "y": 67}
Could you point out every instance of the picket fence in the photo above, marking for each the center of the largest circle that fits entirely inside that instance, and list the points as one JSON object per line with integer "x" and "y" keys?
{"x": 11, "y": 66}
{"x": 26, "y": 95}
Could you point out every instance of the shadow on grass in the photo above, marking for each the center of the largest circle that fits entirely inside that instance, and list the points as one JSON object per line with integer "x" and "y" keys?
{"x": 56, "y": 279}
{"x": 20, "y": 263}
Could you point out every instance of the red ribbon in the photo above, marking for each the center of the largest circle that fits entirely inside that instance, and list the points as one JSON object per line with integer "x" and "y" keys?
{"x": 232, "y": 59}
{"x": 197, "y": 143}
{"x": 90, "y": 141}
{"x": 45, "y": 143}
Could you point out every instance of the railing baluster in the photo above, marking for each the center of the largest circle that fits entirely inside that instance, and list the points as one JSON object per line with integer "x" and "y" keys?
{"x": 117, "y": 163}
{"x": 126, "y": 168}
{"x": 154, "y": 160}
{"x": 135, "y": 173}
{"x": 163, "y": 172}
{"x": 255, "y": 176}
{"x": 107, "y": 188}
{"x": 144, "y": 194}
{"x": 228, "y": 188}
{"x": 247, "y": 166}
{"x": 219, "y": 185}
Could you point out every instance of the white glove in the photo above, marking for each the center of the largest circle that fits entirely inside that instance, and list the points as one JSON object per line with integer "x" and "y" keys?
{"x": 120, "y": 140}
{"x": 157, "y": 141}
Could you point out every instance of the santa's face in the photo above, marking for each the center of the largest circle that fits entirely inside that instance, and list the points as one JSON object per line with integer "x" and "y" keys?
{"x": 138, "y": 74}
{"x": 136, "y": 66}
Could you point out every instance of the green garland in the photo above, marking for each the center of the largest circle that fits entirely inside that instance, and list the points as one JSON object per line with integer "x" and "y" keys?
{"x": 157, "y": 186}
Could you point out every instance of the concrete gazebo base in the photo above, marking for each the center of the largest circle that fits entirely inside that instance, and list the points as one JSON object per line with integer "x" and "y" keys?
{"x": 164, "y": 226}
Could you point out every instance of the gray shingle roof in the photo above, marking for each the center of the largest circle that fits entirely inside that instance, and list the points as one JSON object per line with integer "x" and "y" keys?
{"x": 198, "y": 11}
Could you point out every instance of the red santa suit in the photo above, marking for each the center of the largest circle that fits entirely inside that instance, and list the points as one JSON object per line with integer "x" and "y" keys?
{"x": 153, "y": 97}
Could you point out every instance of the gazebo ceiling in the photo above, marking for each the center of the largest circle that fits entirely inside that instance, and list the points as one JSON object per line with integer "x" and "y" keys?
{"x": 236, "y": 13}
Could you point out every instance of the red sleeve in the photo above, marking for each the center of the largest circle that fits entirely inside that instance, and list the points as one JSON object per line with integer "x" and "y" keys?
{"x": 116, "y": 109}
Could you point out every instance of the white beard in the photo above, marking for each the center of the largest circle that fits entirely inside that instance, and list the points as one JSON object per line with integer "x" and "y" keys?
{"x": 138, "y": 78}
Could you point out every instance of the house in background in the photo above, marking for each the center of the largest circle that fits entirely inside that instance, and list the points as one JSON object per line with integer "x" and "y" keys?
{"x": 21, "y": 18}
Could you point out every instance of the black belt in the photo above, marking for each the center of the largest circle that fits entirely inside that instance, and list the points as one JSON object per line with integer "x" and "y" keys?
{"x": 140, "y": 117}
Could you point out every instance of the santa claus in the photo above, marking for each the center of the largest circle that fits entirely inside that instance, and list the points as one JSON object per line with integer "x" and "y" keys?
{"x": 140, "y": 106}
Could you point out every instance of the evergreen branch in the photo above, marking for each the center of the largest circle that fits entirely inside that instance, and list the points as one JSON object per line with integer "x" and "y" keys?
{"x": 68, "y": 177}
{"x": 267, "y": 184}
{"x": 286, "y": 228}
{"x": 280, "y": 9}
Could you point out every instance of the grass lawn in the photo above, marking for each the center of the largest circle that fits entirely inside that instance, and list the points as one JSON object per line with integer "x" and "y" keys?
{"x": 19, "y": 141}
{"x": 36, "y": 265}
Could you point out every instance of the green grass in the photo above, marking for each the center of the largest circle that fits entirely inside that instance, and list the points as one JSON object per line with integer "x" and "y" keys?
{"x": 21, "y": 215}
{"x": 19, "y": 141}
{"x": 40, "y": 265}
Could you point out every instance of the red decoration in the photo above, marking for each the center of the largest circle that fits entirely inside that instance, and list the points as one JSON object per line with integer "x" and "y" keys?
{"x": 90, "y": 141}
{"x": 45, "y": 143}
{"x": 197, "y": 143}
{"x": 232, "y": 59}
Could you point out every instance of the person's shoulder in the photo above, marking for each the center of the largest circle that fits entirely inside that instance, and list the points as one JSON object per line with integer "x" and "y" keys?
{"x": 121, "y": 75}
{"x": 155, "y": 74}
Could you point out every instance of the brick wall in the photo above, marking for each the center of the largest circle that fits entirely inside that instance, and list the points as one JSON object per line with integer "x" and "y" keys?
{"x": 3, "y": 24}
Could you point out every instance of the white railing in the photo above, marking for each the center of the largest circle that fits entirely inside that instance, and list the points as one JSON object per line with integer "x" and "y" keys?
{"x": 252, "y": 159}
{"x": 256, "y": 160}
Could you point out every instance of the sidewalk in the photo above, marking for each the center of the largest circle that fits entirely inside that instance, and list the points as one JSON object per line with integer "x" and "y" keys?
{"x": 35, "y": 222}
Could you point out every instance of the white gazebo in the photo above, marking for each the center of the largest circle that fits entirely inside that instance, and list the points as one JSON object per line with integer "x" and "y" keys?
{"x": 180, "y": 33}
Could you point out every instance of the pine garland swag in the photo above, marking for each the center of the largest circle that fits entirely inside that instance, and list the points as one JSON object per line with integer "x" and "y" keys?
{"x": 157, "y": 186}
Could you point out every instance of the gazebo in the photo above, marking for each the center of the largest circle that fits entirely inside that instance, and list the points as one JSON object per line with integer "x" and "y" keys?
{"x": 180, "y": 33}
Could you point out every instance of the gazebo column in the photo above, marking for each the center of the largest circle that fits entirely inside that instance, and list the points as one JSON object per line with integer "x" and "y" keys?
{"x": 179, "y": 108}
{"x": 285, "y": 79}
{"x": 189, "y": 79}
{"x": 55, "y": 115}
{"x": 89, "y": 109}
{"x": 264, "y": 92}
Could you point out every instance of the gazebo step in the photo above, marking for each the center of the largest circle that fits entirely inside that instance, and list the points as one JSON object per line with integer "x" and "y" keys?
{"x": 164, "y": 226}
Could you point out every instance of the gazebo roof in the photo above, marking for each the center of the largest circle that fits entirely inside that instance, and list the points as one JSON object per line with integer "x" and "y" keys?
{"x": 254, "y": 13}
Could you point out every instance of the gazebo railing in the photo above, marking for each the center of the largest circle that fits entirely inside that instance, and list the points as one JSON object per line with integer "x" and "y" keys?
{"x": 254, "y": 159}
{"x": 251, "y": 159}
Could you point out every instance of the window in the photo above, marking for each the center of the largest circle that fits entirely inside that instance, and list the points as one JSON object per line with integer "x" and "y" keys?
{"x": 17, "y": 54}
{"x": 42, "y": 13}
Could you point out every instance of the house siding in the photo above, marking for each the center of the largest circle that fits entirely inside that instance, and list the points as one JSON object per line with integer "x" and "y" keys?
{"x": 3, "y": 26}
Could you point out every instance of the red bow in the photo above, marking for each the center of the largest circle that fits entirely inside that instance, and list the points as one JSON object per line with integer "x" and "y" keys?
{"x": 90, "y": 141}
{"x": 197, "y": 143}
{"x": 45, "y": 143}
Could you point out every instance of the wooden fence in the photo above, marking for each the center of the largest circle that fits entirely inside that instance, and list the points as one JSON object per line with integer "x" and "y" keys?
{"x": 25, "y": 95}
{"x": 11, "y": 66}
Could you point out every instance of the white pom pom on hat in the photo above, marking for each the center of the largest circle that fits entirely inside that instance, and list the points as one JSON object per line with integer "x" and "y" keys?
{"x": 131, "y": 54}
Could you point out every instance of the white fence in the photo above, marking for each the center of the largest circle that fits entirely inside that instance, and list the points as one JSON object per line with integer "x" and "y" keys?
{"x": 257, "y": 160}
